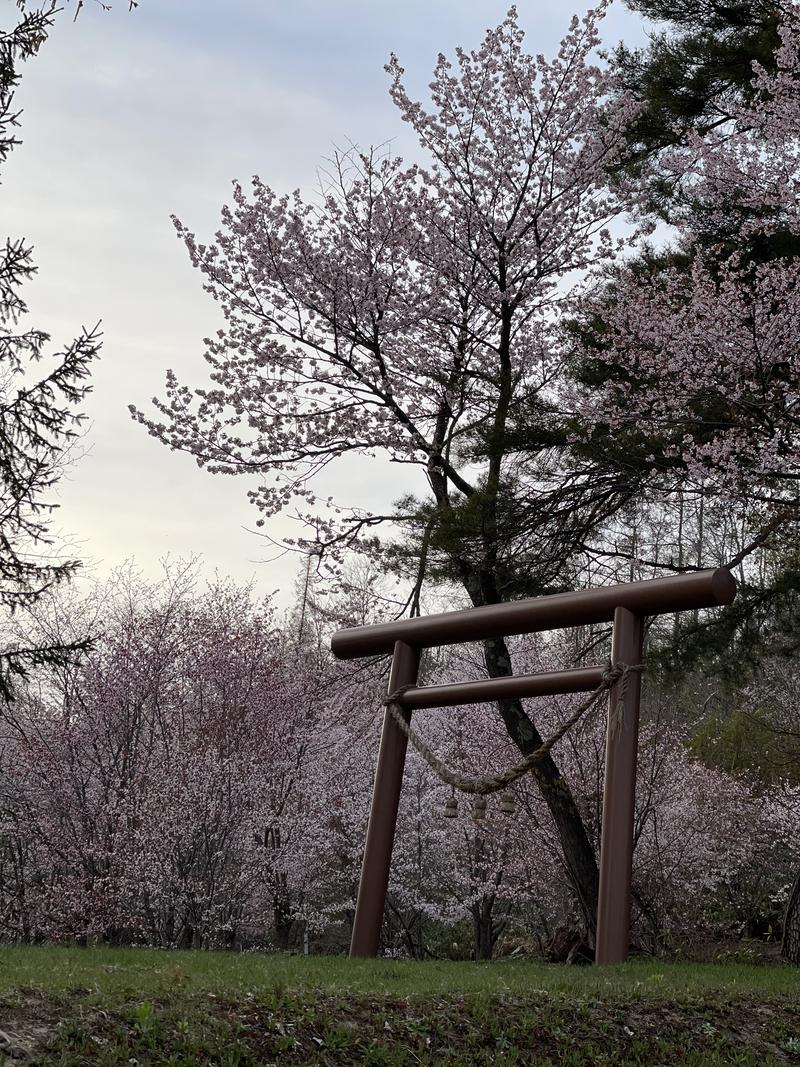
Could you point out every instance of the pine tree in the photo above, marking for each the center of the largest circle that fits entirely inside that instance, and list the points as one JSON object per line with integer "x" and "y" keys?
{"x": 39, "y": 412}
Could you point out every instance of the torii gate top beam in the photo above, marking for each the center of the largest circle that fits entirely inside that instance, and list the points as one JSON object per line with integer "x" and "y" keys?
{"x": 657, "y": 596}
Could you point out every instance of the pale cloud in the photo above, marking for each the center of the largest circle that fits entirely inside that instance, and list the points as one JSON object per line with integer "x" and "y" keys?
{"x": 129, "y": 118}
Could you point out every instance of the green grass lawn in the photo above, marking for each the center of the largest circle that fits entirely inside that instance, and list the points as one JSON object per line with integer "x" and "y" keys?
{"x": 75, "y": 1006}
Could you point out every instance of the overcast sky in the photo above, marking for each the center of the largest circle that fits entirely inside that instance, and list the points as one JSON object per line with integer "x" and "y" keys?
{"x": 129, "y": 118}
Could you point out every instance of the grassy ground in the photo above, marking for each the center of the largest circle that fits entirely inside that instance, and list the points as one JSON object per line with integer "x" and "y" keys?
{"x": 110, "y": 1006}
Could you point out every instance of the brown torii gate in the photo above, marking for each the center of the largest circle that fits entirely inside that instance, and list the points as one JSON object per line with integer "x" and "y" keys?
{"x": 625, "y": 606}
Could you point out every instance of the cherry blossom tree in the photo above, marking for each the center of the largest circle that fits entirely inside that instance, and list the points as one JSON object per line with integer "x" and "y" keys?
{"x": 147, "y": 786}
{"x": 770, "y": 703}
{"x": 703, "y": 356}
{"x": 684, "y": 356}
{"x": 712, "y": 373}
{"x": 409, "y": 311}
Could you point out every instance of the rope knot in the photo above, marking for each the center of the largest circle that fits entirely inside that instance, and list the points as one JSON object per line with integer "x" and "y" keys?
{"x": 392, "y": 698}
{"x": 612, "y": 672}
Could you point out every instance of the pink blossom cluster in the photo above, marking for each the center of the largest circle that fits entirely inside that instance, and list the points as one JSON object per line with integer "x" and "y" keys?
{"x": 704, "y": 360}
{"x": 707, "y": 362}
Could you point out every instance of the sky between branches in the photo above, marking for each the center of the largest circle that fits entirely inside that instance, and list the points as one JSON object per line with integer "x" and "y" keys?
{"x": 131, "y": 117}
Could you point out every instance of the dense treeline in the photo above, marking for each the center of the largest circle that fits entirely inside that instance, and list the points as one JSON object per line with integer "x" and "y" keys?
{"x": 203, "y": 779}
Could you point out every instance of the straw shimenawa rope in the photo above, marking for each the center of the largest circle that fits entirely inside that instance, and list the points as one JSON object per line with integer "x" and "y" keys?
{"x": 493, "y": 783}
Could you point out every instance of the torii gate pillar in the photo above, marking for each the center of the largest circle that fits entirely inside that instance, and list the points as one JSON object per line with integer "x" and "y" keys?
{"x": 619, "y": 792}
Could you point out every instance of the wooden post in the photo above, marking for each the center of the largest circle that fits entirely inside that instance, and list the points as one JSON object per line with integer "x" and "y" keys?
{"x": 619, "y": 792}
{"x": 383, "y": 813}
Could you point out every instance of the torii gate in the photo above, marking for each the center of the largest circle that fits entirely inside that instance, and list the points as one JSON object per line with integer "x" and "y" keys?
{"x": 625, "y": 606}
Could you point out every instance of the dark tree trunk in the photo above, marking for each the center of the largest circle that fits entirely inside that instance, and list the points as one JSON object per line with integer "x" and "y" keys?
{"x": 168, "y": 936}
{"x": 115, "y": 935}
{"x": 579, "y": 856}
{"x": 479, "y": 581}
{"x": 483, "y": 928}
{"x": 413, "y": 943}
{"x": 283, "y": 919}
{"x": 483, "y": 925}
{"x": 790, "y": 945}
